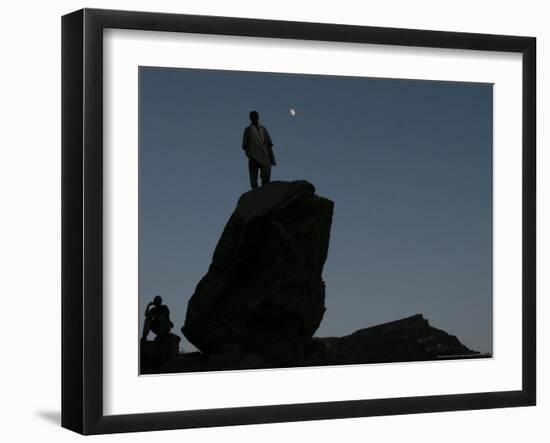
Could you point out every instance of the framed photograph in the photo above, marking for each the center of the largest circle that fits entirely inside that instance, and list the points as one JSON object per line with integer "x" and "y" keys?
{"x": 269, "y": 221}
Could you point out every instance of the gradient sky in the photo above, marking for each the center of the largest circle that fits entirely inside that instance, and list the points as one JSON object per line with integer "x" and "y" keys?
{"x": 408, "y": 164}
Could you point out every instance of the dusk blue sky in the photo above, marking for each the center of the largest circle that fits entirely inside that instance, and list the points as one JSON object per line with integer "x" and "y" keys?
{"x": 407, "y": 163}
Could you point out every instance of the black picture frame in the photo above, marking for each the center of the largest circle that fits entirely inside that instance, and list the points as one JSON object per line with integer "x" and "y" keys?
{"x": 82, "y": 218}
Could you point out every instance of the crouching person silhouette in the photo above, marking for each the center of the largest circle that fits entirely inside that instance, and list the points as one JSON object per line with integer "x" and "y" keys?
{"x": 157, "y": 319}
{"x": 258, "y": 146}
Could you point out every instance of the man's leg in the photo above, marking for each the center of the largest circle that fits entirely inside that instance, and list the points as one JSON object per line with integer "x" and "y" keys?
{"x": 265, "y": 174}
{"x": 253, "y": 167}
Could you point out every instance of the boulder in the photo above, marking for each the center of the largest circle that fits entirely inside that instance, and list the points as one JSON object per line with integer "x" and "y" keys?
{"x": 263, "y": 293}
{"x": 157, "y": 353}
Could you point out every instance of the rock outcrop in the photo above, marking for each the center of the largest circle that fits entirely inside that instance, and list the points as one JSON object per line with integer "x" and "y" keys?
{"x": 264, "y": 293}
{"x": 407, "y": 339}
{"x": 161, "y": 352}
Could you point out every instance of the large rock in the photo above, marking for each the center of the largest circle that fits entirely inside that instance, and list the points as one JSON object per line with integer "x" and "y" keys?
{"x": 263, "y": 293}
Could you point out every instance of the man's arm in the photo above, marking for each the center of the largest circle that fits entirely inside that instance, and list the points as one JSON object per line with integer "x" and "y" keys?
{"x": 245, "y": 138}
{"x": 147, "y": 308}
{"x": 269, "y": 144}
{"x": 268, "y": 141}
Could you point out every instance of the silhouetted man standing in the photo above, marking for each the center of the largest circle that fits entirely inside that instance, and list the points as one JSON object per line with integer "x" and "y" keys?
{"x": 257, "y": 145}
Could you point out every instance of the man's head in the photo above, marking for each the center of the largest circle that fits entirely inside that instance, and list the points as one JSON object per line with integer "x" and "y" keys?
{"x": 157, "y": 300}
{"x": 254, "y": 117}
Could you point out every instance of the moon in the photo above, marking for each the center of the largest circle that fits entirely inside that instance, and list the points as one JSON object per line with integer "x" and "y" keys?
{"x": 292, "y": 112}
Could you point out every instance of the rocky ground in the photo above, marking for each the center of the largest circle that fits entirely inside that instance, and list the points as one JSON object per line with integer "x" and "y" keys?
{"x": 263, "y": 298}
